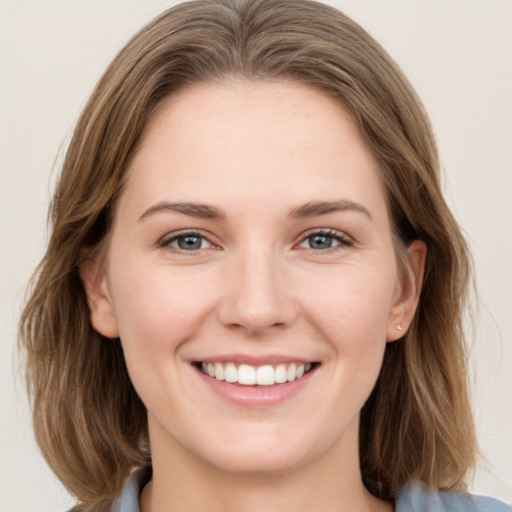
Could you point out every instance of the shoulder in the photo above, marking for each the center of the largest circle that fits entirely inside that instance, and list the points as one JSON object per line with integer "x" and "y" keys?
{"x": 128, "y": 500}
{"x": 416, "y": 498}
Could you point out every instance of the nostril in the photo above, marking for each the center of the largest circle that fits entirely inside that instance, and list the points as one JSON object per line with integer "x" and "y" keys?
{"x": 256, "y": 305}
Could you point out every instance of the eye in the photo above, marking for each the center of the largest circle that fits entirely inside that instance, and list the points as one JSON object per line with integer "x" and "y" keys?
{"x": 189, "y": 242}
{"x": 325, "y": 239}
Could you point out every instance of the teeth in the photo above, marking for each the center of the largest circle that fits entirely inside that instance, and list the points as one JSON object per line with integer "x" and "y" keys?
{"x": 280, "y": 374}
{"x": 231, "y": 373}
{"x": 247, "y": 375}
{"x": 265, "y": 375}
{"x": 219, "y": 371}
{"x": 291, "y": 374}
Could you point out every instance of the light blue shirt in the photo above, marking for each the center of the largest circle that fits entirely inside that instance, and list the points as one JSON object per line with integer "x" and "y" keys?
{"x": 413, "y": 498}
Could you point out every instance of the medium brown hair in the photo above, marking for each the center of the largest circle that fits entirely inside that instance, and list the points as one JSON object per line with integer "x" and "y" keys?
{"x": 89, "y": 422}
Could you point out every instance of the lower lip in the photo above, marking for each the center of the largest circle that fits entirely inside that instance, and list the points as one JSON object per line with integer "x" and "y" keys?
{"x": 256, "y": 396}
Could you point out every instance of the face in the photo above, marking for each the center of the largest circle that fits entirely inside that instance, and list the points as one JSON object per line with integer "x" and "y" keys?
{"x": 251, "y": 277}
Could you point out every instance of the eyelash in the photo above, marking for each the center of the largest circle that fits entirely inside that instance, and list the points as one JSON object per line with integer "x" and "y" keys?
{"x": 342, "y": 239}
{"x": 167, "y": 241}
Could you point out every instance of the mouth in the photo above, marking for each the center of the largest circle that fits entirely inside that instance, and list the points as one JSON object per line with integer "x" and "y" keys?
{"x": 249, "y": 375}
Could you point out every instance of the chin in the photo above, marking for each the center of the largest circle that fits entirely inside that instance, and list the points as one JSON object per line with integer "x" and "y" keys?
{"x": 256, "y": 462}
{"x": 263, "y": 453}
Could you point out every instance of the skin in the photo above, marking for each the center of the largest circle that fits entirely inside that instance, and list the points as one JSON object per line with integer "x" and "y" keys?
{"x": 257, "y": 285}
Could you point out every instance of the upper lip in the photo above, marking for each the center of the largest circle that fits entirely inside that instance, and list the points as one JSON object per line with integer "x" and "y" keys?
{"x": 255, "y": 360}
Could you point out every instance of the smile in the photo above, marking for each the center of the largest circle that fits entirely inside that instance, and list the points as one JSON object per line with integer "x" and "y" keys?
{"x": 247, "y": 375}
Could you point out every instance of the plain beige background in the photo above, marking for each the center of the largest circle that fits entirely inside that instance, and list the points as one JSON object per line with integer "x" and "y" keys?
{"x": 457, "y": 53}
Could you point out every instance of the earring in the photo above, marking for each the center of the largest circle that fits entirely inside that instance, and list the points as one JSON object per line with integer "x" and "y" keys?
{"x": 399, "y": 327}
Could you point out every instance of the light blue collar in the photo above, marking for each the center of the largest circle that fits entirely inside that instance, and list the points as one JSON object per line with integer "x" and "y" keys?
{"x": 413, "y": 497}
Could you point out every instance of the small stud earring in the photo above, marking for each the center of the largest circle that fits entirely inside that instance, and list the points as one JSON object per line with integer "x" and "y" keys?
{"x": 399, "y": 327}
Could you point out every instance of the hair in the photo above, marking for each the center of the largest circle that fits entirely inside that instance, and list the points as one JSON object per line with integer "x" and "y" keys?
{"x": 89, "y": 422}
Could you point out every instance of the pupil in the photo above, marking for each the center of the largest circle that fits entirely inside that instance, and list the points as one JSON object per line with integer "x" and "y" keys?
{"x": 321, "y": 242}
{"x": 189, "y": 242}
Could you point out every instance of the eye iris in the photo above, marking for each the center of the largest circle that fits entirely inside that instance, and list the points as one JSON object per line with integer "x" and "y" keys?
{"x": 189, "y": 243}
{"x": 320, "y": 241}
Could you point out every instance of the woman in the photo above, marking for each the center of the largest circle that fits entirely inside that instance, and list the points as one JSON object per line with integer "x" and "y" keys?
{"x": 253, "y": 290}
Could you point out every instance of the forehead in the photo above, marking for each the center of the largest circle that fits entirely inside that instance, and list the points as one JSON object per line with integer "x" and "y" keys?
{"x": 264, "y": 141}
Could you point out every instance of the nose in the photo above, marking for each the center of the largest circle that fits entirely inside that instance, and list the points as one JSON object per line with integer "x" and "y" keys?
{"x": 257, "y": 297}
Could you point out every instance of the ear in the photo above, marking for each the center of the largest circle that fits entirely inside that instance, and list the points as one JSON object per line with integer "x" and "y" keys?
{"x": 103, "y": 317}
{"x": 408, "y": 291}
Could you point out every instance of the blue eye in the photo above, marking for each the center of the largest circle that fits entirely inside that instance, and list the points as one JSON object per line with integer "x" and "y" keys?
{"x": 188, "y": 242}
{"x": 325, "y": 240}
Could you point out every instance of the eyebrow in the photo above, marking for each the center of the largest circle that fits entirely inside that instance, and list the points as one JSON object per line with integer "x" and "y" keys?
{"x": 315, "y": 208}
{"x": 205, "y": 211}
{"x": 202, "y": 211}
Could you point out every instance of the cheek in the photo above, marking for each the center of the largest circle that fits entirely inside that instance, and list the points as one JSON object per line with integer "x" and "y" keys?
{"x": 353, "y": 319}
{"x": 158, "y": 309}
{"x": 350, "y": 311}
{"x": 157, "y": 314}
{"x": 351, "y": 305}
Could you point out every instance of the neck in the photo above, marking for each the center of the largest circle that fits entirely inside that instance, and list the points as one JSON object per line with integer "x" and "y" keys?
{"x": 332, "y": 481}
